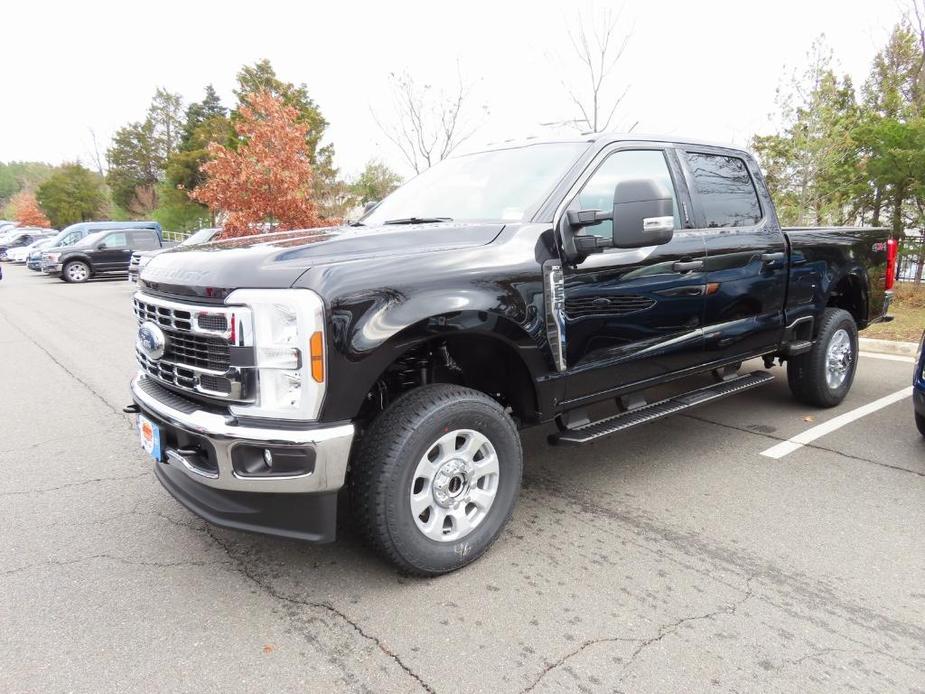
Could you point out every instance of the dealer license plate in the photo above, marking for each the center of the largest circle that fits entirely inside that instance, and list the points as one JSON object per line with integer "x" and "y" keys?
{"x": 150, "y": 435}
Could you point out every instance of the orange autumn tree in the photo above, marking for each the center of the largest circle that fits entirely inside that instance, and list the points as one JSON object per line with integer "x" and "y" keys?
{"x": 268, "y": 177}
{"x": 27, "y": 212}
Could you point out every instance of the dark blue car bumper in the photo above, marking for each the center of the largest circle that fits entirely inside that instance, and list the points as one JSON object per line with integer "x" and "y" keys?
{"x": 918, "y": 381}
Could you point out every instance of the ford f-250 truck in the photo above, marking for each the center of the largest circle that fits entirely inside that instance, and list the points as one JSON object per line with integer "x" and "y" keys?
{"x": 394, "y": 360}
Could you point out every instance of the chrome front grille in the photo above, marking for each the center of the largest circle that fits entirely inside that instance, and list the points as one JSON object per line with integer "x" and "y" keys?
{"x": 198, "y": 342}
{"x": 196, "y": 350}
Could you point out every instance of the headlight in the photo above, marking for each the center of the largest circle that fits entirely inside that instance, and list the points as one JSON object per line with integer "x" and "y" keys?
{"x": 288, "y": 336}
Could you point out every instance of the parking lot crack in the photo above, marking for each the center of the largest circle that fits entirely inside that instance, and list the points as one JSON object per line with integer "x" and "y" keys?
{"x": 672, "y": 627}
{"x": 69, "y": 485}
{"x": 114, "y": 558}
{"x": 268, "y": 589}
{"x": 577, "y": 651}
{"x": 807, "y": 445}
{"x": 662, "y": 632}
{"x": 64, "y": 368}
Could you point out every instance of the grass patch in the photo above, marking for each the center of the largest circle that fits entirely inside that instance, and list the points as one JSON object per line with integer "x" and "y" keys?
{"x": 909, "y": 311}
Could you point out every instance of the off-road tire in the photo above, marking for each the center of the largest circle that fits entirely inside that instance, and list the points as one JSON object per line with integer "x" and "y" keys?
{"x": 381, "y": 476}
{"x": 806, "y": 373}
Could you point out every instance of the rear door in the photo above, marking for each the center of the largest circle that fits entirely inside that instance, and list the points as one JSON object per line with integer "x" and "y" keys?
{"x": 633, "y": 315}
{"x": 746, "y": 263}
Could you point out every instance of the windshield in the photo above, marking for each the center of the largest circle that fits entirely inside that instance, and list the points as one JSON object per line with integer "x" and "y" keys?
{"x": 506, "y": 184}
{"x": 201, "y": 236}
{"x": 66, "y": 238}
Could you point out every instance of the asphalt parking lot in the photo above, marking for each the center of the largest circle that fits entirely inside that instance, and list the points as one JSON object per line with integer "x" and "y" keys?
{"x": 673, "y": 557}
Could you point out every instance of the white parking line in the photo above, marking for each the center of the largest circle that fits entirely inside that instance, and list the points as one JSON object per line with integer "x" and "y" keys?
{"x": 800, "y": 440}
{"x": 888, "y": 357}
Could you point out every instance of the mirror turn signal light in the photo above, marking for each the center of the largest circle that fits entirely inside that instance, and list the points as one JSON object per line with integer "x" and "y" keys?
{"x": 316, "y": 351}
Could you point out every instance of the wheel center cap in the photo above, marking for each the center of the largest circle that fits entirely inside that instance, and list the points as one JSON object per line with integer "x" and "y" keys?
{"x": 450, "y": 483}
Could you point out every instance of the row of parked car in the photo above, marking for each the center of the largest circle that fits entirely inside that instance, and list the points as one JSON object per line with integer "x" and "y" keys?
{"x": 87, "y": 249}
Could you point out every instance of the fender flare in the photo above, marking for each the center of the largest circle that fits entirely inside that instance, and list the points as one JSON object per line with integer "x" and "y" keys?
{"x": 363, "y": 351}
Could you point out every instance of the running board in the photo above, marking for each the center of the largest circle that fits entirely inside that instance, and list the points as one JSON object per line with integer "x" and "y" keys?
{"x": 589, "y": 433}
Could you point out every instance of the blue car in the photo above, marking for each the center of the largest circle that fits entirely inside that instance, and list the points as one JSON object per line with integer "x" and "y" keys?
{"x": 34, "y": 259}
{"x": 918, "y": 389}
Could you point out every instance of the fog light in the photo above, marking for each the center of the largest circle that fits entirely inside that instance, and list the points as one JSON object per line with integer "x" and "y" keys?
{"x": 259, "y": 461}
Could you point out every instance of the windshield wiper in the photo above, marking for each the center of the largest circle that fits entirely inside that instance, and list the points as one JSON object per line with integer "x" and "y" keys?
{"x": 418, "y": 220}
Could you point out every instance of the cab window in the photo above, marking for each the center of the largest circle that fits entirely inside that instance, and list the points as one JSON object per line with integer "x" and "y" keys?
{"x": 116, "y": 240}
{"x": 144, "y": 240}
{"x": 725, "y": 190}
{"x": 624, "y": 165}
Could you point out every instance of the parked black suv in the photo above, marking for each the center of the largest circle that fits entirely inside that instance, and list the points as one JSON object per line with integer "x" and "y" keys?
{"x": 102, "y": 252}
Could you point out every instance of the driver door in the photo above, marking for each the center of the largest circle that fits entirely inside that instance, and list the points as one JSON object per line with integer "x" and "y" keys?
{"x": 632, "y": 315}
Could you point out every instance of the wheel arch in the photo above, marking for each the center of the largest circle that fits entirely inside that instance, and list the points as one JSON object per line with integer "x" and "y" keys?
{"x": 851, "y": 293}
{"x": 493, "y": 353}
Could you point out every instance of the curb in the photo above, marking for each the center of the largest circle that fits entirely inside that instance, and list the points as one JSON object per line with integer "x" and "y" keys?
{"x": 906, "y": 349}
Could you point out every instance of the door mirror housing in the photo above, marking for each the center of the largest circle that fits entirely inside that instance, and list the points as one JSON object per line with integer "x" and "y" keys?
{"x": 643, "y": 214}
{"x": 101, "y": 246}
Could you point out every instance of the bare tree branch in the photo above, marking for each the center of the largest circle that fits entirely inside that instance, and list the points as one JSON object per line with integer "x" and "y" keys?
{"x": 428, "y": 124}
{"x": 95, "y": 153}
{"x": 598, "y": 48}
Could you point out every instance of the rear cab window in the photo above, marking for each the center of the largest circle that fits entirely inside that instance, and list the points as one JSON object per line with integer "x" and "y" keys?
{"x": 724, "y": 190}
{"x": 144, "y": 240}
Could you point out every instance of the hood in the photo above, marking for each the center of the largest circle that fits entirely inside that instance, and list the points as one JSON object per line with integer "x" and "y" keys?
{"x": 277, "y": 260}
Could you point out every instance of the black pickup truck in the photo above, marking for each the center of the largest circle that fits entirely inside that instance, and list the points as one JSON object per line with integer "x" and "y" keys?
{"x": 102, "y": 252}
{"x": 395, "y": 360}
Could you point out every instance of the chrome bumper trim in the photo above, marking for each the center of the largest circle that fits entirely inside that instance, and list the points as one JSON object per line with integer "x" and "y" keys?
{"x": 331, "y": 446}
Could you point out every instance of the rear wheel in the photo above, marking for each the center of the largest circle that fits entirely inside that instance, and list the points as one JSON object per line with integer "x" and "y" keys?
{"x": 436, "y": 478}
{"x": 823, "y": 375}
{"x": 76, "y": 271}
{"x": 920, "y": 423}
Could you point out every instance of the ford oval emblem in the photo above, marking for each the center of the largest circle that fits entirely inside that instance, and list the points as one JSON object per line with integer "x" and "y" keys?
{"x": 151, "y": 340}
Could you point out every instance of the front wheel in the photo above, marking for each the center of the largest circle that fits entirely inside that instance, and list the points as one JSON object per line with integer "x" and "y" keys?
{"x": 823, "y": 375}
{"x": 436, "y": 478}
{"x": 920, "y": 423}
{"x": 76, "y": 272}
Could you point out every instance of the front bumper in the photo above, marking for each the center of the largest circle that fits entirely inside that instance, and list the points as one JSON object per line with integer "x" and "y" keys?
{"x": 302, "y": 506}
{"x": 52, "y": 269}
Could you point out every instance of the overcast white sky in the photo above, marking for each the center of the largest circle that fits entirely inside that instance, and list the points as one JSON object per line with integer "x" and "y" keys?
{"x": 703, "y": 69}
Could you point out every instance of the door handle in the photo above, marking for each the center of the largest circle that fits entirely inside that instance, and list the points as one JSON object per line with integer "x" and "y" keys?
{"x": 687, "y": 265}
{"x": 771, "y": 258}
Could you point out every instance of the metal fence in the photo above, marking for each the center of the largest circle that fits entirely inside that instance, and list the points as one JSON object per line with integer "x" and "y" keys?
{"x": 911, "y": 257}
{"x": 176, "y": 235}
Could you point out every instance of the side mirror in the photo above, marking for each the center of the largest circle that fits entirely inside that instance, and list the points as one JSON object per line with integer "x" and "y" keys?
{"x": 101, "y": 246}
{"x": 370, "y": 206}
{"x": 643, "y": 214}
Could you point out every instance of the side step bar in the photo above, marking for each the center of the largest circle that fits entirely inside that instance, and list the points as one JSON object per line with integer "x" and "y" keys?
{"x": 589, "y": 433}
